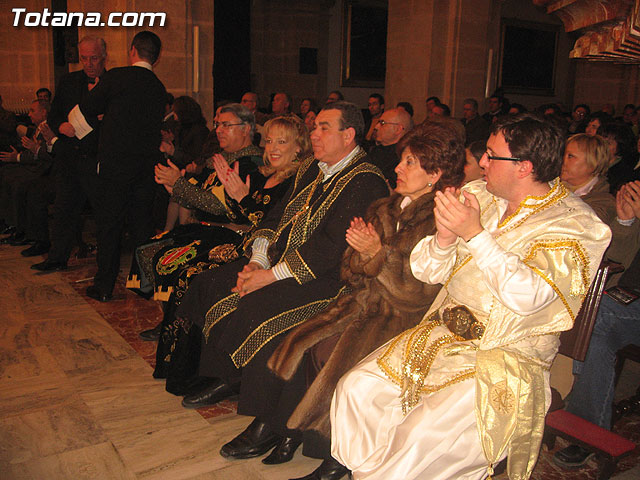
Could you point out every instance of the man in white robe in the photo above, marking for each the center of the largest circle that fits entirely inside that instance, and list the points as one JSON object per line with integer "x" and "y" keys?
{"x": 516, "y": 253}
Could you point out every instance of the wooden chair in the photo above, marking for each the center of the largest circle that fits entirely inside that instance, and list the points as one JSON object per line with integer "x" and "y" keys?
{"x": 608, "y": 446}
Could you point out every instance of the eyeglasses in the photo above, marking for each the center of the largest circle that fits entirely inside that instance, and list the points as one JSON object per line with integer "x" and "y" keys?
{"x": 225, "y": 125}
{"x": 507, "y": 159}
{"x": 382, "y": 123}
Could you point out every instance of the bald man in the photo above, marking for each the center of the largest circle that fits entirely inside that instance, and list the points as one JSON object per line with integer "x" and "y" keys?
{"x": 391, "y": 127}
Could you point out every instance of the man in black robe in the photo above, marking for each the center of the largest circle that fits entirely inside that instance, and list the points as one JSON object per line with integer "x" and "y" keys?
{"x": 132, "y": 100}
{"x": 246, "y": 307}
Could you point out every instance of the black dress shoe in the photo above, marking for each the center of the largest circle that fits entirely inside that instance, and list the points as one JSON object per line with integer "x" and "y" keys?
{"x": 97, "y": 294}
{"x": 152, "y": 334}
{"x": 283, "y": 452}
{"x": 328, "y": 470}
{"x": 573, "y": 456}
{"x": 19, "y": 240}
{"x": 257, "y": 439}
{"x": 213, "y": 393}
{"x": 48, "y": 266}
{"x": 7, "y": 230}
{"x": 37, "y": 248}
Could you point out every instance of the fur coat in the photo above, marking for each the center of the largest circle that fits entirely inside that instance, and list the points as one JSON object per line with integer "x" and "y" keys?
{"x": 386, "y": 299}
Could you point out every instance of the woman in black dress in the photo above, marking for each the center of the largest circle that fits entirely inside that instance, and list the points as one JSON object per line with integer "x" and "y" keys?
{"x": 286, "y": 141}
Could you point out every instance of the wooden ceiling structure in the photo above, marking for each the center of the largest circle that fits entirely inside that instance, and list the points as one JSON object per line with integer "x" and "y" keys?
{"x": 610, "y": 29}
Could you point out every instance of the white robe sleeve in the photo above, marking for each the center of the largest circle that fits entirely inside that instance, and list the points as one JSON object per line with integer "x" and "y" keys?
{"x": 515, "y": 284}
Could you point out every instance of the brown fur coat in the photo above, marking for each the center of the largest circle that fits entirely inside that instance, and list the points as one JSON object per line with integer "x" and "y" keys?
{"x": 386, "y": 300}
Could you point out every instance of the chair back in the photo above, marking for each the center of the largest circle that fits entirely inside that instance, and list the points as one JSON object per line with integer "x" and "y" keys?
{"x": 575, "y": 342}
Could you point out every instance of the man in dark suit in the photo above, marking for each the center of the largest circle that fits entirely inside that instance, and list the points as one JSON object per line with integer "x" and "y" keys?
{"x": 75, "y": 168}
{"x": 132, "y": 100}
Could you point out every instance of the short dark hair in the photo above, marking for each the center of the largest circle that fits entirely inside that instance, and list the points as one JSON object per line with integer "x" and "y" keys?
{"x": 43, "y": 90}
{"x": 148, "y": 45}
{"x": 351, "y": 117}
{"x": 435, "y": 99}
{"x": 536, "y": 139}
{"x": 446, "y": 111}
{"x": 378, "y": 97}
{"x": 338, "y": 93}
{"x": 471, "y": 101}
{"x": 477, "y": 149}
{"x": 188, "y": 111}
{"x": 623, "y": 135}
{"x": 583, "y": 105}
{"x": 407, "y": 106}
{"x": 439, "y": 145}
{"x": 243, "y": 113}
{"x": 519, "y": 107}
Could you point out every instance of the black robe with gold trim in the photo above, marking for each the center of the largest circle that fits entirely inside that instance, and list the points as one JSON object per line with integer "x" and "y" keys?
{"x": 307, "y": 231}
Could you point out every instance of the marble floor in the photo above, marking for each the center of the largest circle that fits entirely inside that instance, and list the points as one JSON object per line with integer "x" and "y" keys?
{"x": 77, "y": 399}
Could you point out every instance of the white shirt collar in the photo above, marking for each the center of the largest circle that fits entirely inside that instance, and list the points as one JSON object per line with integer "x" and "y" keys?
{"x": 330, "y": 171}
{"x": 143, "y": 64}
{"x": 405, "y": 202}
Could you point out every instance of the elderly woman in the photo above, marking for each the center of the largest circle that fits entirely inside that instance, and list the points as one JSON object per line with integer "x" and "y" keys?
{"x": 286, "y": 141}
{"x": 584, "y": 169}
{"x": 385, "y": 300}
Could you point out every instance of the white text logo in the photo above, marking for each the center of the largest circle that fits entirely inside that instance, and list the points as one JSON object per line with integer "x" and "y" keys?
{"x": 86, "y": 19}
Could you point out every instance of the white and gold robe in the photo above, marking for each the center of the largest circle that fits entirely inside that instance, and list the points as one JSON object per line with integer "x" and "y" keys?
{"x": 430, "y": 404}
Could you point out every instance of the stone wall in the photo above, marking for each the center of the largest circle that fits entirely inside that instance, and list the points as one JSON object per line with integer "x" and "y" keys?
{"x": 437, "y": 47}
{"x": 29, "y": 52}
{"x": 26, "y": 57}
{"x": 597, "y": 83}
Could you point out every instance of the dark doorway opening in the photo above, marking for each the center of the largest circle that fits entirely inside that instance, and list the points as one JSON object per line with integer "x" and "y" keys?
{"x": 231, "y": 49}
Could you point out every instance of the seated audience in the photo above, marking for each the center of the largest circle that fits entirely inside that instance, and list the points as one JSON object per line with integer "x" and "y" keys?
{"x": 623, "y": 153}
{"x": 182, "y": 142}
{"x": 376, "y": 108}
{"x": 243, "y": 309}
{"x": 287, "y": 143}
{"x": 584, "y": 168}
{"x": 616, "y": 327}
{"x": 407, "y": 107}
{"x": 310, "y": 118}
{"x": 596, "y": 120}
{"x": 579, "y": 118}
{"x": 306, "y": 105}
{"x": 476, "y": 128}
{"x": 385, "y": 299}
{"x": 431, "y": 102}
{"x": 156, "y": 263}
{"x": 391, "y": 127}
{"x": 496, "y": 103}
{"x": 7, "y": 129}
{"x": 20, "y": 169}
{"x": 516, "y": 108}
{"x": 470, "y": 384}
{"x": 335, "y": 96}
{"x": 473, "y": 154}
{"x": 44, "y": 94}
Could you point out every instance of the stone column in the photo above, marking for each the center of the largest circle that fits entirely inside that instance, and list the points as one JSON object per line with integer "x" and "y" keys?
{"x": 438, "y": 47}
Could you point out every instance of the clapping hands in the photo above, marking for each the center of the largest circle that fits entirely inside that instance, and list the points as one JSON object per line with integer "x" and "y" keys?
{"x": 230, "y": 178}
{"x": 363, "y": 238}
{"x": 168, "y": 175}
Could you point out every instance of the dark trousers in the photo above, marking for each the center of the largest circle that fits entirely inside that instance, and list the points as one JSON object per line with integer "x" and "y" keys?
{"x": 121, "y": 199}
{"x": 40, "y": 194}
{"x": 76, "y": 181}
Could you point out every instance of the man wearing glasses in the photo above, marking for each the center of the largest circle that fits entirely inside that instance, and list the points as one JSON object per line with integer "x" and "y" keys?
{"x": 391, "y": 127}
{"x": 469, "y": 385}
